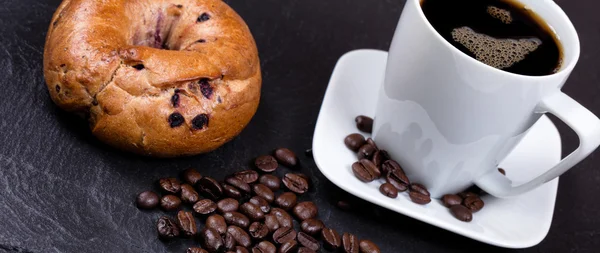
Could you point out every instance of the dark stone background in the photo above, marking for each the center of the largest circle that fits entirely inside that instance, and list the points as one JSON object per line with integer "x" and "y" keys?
{"x": 63, "y": 191}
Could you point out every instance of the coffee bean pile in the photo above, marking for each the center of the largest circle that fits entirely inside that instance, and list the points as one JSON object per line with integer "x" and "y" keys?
{"x": 248, "y": 212}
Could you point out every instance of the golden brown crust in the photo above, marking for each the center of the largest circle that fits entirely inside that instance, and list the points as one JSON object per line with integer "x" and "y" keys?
{"x": 156, "y": 77}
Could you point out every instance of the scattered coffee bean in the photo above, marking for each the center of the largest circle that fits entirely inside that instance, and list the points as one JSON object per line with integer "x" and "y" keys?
{"x": 305, "y": 210}
{"x": 419, "y": 198}
{"x": 147, "y": 200}
{"x": 167, "y": 229}
{"x": 331, "y": 239}
{"x": 305, "y": 250}
{"x": 211, "y": 240}
{"x": 502, "y": 171}
{"x": 474, "y": 203}
{"x": 261, "y": 203}
{"x": 196, "y": 250}
{"x": 170, "y": 203}
{"x": 398, "y": 179}
{"x": 258, "y": 230}
{"x": 239, "y": 183}
{"x": 295, "y": 183}
{"x": 241, "y": 237}
{"x": 264, "y": 247}
{"x": 186, "y": 223}
{"x": 240, "y": 249}
{"x": 371, "y": 166}
{"x": 231, "y": 191}
{"x": 467, "y": 194}
{"x": 229, "y": 242}
{"x": 308, "y": 241}
{"x": 266, "y": 163}
{"x": 380, "y": 157}
{"x": 451, "y": 199}
{"x": 364, "y": 174}
{"x": 372, "y": 142}
{"x": 366, "y": 151}
{"x": 286, "y": 157}
{"x": 288, "y": 247}
{"x": 248, "y": 176}
{"x": 350, "y": 243}
{"x": 388, "y": 190}
{"x": 227, "y": 205}
{"x": 283, "y": 218}
{"x": 188, "y": 194}
{"x": 391, "y": 166}
{"x": 419, "y": 188}
{"x": 170, "y": 185}
{"x": 191, "y": 176}
{"x": 364, "y": 123}
{"x": 264, "y": 192}
{"x": 367, "y": 246}
{"x": 345, "y": 206}
{"x": 354, "y": 141}
{"x": 271, "y": 222}
{"x": 252, "y": 211}
{"x": 270, "y": 181}
{"x": 210, "y": 187}
{"x": 461, "y": 213}
{"x": 236, "y": 219}
{"x": 216, "y": 222}
{"x": 312, "y": 226}
{"x": 204, "y": 207}
{"x": 286, "y": 200}
{"x": 284, "y": 234}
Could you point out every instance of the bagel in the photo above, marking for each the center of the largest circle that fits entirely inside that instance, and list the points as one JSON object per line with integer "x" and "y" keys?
{"x": 156, "y": 77}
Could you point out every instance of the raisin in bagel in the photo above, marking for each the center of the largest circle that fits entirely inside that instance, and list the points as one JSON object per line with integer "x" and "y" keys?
{"x": 156, "y": 77}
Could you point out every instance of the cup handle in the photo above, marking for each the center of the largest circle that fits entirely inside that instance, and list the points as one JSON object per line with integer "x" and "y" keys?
{"x": 580, "y": 119}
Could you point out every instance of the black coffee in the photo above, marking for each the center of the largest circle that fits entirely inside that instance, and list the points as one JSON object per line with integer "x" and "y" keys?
{"x": 501, "y": 33}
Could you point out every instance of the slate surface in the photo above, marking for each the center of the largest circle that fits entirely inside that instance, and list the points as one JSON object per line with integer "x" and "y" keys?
{"x": 63, "y": 191}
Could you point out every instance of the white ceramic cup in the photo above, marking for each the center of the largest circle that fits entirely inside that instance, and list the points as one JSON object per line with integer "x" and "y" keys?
{"x": 449, "y": 119}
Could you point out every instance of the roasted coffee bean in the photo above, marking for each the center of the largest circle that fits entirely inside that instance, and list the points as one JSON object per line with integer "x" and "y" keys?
{"x": 147, "y": 200}
{"x": 295, "y": 183}
{"x": 388, "y": 190}
{"x": 270, "y": 181}
{"x": 261, "y": 203}
{"x": 284, "y": 234}
{"x": 502, "y": 171}
{"x": 231, "y": 191}
{"x": 398, "y": 179}
{"x": 196, "y": 250}
{"x": 258, "y": 230}
{"x": 474, "y": 203}
{"x": 366, "y": 151}
{"x": 170, "y": 203}
{"x": 350, "y": 243}
{"x": 229, "y": 242}
{"x": 364, "y": 174}
{"x": 236, "y": 219}
{"x": 391, "y": 166}
{"x": 305, "y": 250}
{"x": 240, "y": 249}
{"x": 372, "y": 142}
{"x": 286, "y": 157}
{"x": 211, "y": 240}
{"x": 252, "y": 211}
{"x": 451, "y": 200}
{"x": 271, "y": 222}
{"x": 191, "y": 176}
{"x": 266, "y": 163}
{"x": 419, "y": 188}
{"x": 331, "y": 239}
{"x": 467, "y": 194}
{"x": 167, "y": 229}
{"x": 312, "y": 226}
{"x": 367, "y": 246}
{"x": 264, "y": 192}
{"x": 241, "y": 237}
{"x": 204, "y": 207}
{"x": 354, "y": 141}
{"x": 170, "y": 185}
{"x": 308, "y": 241}
{"x": 288, "y": 247}
{"x": 306, "y": 178}
{"x": 461, "y": 213}
{"x": 344, "y": 205}
{"x": 419, "y": 198}
{"x": 371, "y": 166}
{"x": 264, "y": 247}
{"x": 227, "y": 205}
{"x": 305, "y": 210}
{"x": 216, "y": 222}
{"x": 188, "y": 194}
{"x": 380, "y": 157}
{"x": 283, "y": 217}
{"x": 239, "y": 183}
{"x": 286, "y": 200}
{"x": 186, "y": 222}
{"x": 364, "y": 123}
{"x": 248, "y": 176}
{"x": 210, "y": 187}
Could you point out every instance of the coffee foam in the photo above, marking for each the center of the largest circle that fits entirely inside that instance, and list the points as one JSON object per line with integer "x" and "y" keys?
{"x": 500, "y": 14}
{"x": 498, "y": 53}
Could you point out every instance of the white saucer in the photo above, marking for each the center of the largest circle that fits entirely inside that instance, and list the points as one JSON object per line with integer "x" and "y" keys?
{"x": 519, "y": 222}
